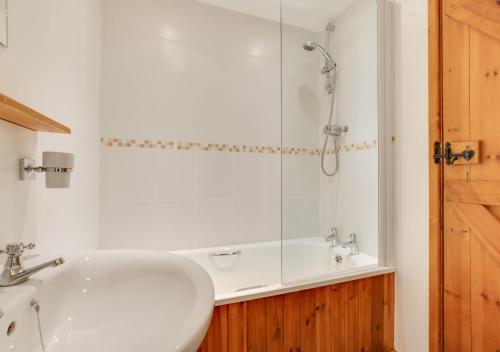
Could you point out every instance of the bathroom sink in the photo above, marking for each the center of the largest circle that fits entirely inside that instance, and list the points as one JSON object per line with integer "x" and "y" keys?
{"x": 110, "y": 301}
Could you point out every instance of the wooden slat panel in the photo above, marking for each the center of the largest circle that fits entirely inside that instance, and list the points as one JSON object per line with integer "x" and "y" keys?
{"x": 388, "y": 326}
{"x": 456, "y": 284}
{"x": 323, "y": 319}
{"x": 338, "y": 322}
{"x": 214, "y": 336}
{"x": 352, "y": 315}
{"x": 485, "y": 227}
{"x": 485, "y": 296}
{"x": 320, "y": 319}
{"x": 19, "y": 114}
{"x": 474, "y": 192}
{"x": 275, "y": 323}
{"x": 308, "y": 321}
{"x": 292, "y": 322}
{"x": 377, "y": 317}
{"x": 237, "y": 327}
{"x": 223, "y": 328}
{"x": 365, "y": 314}
{"x": 256, "y": 333}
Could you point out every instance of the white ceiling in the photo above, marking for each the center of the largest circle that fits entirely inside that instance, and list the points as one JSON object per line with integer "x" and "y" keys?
{"x": 308, "y": 14}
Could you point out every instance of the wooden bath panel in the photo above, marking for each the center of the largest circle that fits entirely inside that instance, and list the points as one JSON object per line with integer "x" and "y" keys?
{"x": 347, "y": 317}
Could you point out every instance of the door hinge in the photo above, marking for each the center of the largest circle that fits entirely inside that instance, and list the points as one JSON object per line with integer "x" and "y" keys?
{"x": 448, "y": 155}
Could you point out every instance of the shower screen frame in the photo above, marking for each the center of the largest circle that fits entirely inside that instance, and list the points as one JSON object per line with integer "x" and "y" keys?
{"x": 386, "y": 77}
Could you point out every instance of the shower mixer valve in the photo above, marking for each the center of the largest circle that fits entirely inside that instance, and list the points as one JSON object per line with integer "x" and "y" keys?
{"x": 335, "y": 130}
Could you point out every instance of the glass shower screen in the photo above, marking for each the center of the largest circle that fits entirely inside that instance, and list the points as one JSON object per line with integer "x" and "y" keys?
{"x": 329, "y": 137}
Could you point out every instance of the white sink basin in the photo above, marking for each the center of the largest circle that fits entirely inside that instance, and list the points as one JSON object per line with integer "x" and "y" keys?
{"x": 111, "y": 301}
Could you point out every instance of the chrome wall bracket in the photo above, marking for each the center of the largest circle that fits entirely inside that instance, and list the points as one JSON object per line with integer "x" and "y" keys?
{"x": 28, "y": 170}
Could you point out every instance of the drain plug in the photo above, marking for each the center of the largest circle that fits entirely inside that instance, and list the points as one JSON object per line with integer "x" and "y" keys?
{"x": 338, "y": 259}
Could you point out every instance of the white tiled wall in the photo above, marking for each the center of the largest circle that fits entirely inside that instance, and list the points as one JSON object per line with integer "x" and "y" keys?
{"x": 154, "y": 198}
{"x": 187, "y": 71}
{"x": 190, "y": 72}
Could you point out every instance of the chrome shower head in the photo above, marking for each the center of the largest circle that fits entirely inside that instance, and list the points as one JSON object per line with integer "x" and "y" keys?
{"x": 310, "y": 46}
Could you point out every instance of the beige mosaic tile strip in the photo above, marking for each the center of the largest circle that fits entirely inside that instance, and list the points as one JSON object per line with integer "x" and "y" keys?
{"x": 173, "y": 145}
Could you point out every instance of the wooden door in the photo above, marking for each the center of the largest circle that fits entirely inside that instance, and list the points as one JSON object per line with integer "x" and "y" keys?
{"x": 470, "y": 54}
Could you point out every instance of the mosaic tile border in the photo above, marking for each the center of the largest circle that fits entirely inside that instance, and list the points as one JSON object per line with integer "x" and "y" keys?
{"x": 220, "y": 147}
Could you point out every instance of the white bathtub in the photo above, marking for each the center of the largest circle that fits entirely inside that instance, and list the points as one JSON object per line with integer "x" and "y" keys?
{"x": 255, "y": 271}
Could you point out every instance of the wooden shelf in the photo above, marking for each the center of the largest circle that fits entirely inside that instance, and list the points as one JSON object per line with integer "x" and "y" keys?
{"x": 19, "y": 114}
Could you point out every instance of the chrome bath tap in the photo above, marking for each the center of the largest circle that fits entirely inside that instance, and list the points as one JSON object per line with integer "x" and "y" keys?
{"x": 13, "y": 271}
{"x": 353, "y": 243}
{"x": 333, "y": 237}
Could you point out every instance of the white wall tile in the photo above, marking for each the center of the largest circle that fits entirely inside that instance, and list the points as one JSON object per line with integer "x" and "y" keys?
{"x": 176, "y": 221}
{"x": 215, "y": 222}
{"x": 128, "y": 225}
{"x": 249, "y": 220}
{"x": 177, "y": 175}
{"x": 250, "y": 175}
{"x": 214, "y": 178}
{"x": 273, "y": 175}
{"x": 273, "y": 218}
{"x": 133, "y": 175}
{"x": 300, "y": 217}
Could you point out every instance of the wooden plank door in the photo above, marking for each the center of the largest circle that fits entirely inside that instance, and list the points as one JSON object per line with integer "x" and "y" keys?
{"x": 471, "y": 203}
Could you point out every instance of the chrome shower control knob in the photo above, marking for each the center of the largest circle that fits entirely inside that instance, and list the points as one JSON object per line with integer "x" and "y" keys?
{"x": 335, "y": 130}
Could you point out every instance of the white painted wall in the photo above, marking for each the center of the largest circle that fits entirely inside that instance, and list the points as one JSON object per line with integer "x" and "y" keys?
{"x": 411, "y": 177}
{"x": 52, "y": 65}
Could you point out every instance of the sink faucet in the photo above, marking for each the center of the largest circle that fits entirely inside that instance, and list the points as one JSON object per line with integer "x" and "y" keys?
{"x": 353, "y": 243}
{"x": 13, "y": 272}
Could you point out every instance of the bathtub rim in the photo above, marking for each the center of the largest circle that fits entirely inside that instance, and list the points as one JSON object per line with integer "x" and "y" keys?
{"x": 292, "y": 286}
{"x": 315, "y": 282}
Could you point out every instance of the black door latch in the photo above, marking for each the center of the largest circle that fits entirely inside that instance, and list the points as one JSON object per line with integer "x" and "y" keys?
{"x": 448, "y": 155}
